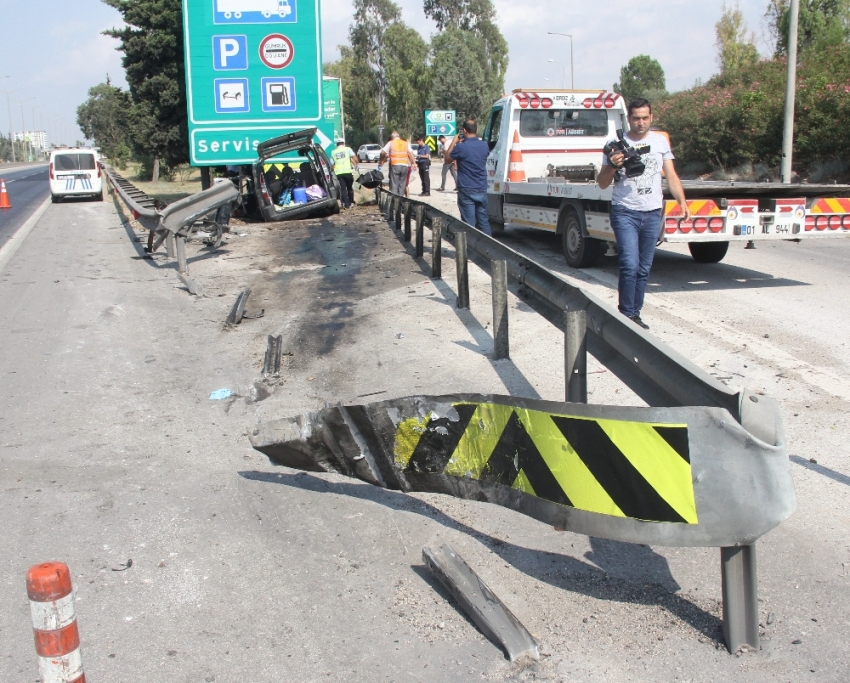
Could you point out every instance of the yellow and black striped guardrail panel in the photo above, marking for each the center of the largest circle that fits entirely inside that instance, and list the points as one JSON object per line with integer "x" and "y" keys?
{"x": 640, "y": 470}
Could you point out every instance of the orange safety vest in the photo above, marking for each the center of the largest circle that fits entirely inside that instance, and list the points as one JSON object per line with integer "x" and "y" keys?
{"x": 398, "y": 153}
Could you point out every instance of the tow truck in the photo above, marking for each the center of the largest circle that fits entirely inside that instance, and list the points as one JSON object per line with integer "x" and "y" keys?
{"x": 545, "y": 155}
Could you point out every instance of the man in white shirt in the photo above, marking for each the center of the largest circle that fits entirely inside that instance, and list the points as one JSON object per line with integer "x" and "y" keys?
{"x": 637, "y": 205}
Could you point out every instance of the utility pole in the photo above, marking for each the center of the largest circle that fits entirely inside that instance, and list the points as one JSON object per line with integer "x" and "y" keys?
{"x": 8, "y": 94}
{"x": 572, "y": 73}
{"x": 790, "y": 93}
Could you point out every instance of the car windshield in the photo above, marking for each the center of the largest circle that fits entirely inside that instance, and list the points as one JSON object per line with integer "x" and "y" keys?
{"x": 541, "y": 123}
{"x": 74, "y": 162}
{"x": 373, "y": 147}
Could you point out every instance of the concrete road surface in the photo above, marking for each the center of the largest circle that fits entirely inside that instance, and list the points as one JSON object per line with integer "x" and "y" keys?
{"x": 111, "y": 450}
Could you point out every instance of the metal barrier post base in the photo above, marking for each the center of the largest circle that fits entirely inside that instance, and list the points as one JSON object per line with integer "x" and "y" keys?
{"x": 420, "y": 216}
{"x": 419, "y": 247}
{"x": 740, "y": 597}
{"x": 575, "y": 356}
{"x": 182, "y": 265}
{"x": 437, "y": 248}
{"x": 462, "y": 268}
{"x": 400, "y": 207}
{"x": 408, "y": 216}
{"x": 169, "y": 245}
{"x": 501, "y": 343}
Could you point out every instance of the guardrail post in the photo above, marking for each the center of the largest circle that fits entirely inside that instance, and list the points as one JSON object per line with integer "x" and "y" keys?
{"x": 462, "y": 268}
{"x": 501, "y": 343}
{"x": 437, "y": 248}
{"x": 388, "y": 209}
{"x": 169, "y": 245}
{"x": 408, "y": 215}
{"x": 420, "y": 217}
{"x": 379, "y": 198}
{"x": 420, "y": 238}
{"x": 182, "y": 265}
{"x": 575, "y": 356}
{"x": 739, "y": 579}
{"x": 403, "y": 207}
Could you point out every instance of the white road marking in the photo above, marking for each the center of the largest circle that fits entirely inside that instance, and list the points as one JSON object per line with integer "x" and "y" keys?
{"x": 8, "y": 250}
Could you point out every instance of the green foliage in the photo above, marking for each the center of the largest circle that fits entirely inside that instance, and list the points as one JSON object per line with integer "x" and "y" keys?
{"x": 21, "y": 150}
{"x": 736, "y": 47}
{"x": 641, "y": 77}
{"x": 408, "y": 78}
{"x": 736, "y": 118}
{"x": 152, "y": 43}
{"x": 821, "y": 24}
{"x": 458, "y": 78}
{"x": 105, "y": 118}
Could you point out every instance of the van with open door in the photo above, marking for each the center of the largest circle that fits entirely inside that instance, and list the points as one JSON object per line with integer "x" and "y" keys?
{"x": 75, "y": 172}
{"x": 293, "y": 178}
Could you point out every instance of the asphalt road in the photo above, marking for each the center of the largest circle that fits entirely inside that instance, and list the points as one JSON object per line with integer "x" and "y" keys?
{"x": 27, "y": 188}
{"x": 111, "y": 450}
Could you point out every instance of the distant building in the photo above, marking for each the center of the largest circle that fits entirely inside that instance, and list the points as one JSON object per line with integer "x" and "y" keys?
{"x": 38, "y": 138}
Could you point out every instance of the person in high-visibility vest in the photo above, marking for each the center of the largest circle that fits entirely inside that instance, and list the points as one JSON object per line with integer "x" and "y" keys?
{"x": 400, "y": 155}
{"x": 344, "y": 159}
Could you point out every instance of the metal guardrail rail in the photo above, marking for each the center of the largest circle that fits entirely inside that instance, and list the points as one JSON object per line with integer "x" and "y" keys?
{"x": 173, "y": 223}
{"x": 715, "y": 454}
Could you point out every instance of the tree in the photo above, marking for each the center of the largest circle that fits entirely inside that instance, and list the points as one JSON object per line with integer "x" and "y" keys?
{"x": 822, "y": 23}
{"x": 152, "y": 43}
{"x": 478, "y": 19}
{"x": 641, "y": 77}
{"x": 105, "y": 118}
{"x": 408, "y": 77}
{"x": 735, "y": 43}
{"x": 458, "y": 79}
{"x": 372, "y": 18}
{"x": 359, "y": 94}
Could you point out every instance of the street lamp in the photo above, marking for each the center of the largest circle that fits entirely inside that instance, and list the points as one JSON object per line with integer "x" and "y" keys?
{"x": 572, "y": 73}
{"x": 9, "y": 109}
{"x": 564, "y": 74}
{"x": 24, "y": 123}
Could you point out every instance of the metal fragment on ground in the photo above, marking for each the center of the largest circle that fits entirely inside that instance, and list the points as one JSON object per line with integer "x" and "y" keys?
{"x": 482, "y": 605}
{"x": 238, "y": 311}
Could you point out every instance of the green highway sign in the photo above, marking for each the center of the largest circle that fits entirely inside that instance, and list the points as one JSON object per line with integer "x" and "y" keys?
{"x": 440, "y": 122}
{"x": 332, "y": 123}
{"x": 253, "y": 72}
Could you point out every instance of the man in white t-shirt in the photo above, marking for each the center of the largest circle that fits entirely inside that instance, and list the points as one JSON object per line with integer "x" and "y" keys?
{"x": 637, "y": 205}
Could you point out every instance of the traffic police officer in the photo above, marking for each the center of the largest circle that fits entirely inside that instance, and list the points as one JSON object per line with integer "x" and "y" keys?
{"x": 344, "y": 158}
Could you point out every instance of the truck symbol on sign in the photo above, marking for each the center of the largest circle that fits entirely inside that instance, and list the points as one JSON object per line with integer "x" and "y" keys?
{"x": 252, "y": 11}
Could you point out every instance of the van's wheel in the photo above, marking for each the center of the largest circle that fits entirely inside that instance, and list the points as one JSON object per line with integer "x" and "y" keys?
{"x": 497, "y": 227}
{"x": 708, "y": 252}
{"x": 580, "y": 251}
{"x": 55, "y": 198}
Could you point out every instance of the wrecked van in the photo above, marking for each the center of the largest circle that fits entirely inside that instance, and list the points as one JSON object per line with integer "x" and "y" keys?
{"x": 293, "y": 178}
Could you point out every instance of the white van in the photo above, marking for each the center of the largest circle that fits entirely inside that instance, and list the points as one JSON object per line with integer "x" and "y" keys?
{"x": 75, "y": 172}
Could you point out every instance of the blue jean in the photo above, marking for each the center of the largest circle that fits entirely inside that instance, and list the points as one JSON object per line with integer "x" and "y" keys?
{"x": 637, "y": 234}
{"x": 473, "y": 210}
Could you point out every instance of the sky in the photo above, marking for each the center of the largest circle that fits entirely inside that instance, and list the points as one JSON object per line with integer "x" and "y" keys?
{"x": 53, "y": 51}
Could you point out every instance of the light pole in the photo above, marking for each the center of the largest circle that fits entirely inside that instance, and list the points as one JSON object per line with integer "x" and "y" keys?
{"x": 572, "y": 73}
{"x": 8, "y": 94}
{"x": 24, "y": 123}
{"x": 790, "y": 93}
{"x": 32, "y": 111}
{"x": 564, "y": 74}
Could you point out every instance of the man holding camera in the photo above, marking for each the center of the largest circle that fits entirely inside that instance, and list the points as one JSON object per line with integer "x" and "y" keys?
{"x": 471, "y": 152}
{"x": 634, "y": 164}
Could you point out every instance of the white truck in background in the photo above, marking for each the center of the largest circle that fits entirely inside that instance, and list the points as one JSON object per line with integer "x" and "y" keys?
{"x": 560, "y": 136}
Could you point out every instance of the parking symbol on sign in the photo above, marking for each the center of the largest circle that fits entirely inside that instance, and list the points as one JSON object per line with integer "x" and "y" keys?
{"x": 231, "y": 95}
{"x": 230, "y": 53}
{"x": 278, "y": 94}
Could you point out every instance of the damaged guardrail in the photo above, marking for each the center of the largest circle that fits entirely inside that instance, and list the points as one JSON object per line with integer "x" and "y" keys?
{"x": 173, "y": 223}
{"x": 686, "y": 476}
{"x": 706, "y": 466}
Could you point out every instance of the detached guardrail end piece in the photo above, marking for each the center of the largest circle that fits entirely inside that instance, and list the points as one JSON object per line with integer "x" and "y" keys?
{"x": 238, "y": 311}
{"x": 480, "y": 603}
{"x": 193, "y": 287}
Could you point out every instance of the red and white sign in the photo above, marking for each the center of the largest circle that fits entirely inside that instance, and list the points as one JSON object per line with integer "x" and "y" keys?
{"x": 276, "y": 51}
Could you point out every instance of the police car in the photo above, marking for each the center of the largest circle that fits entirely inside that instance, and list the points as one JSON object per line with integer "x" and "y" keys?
{"x": 75, "y": 172}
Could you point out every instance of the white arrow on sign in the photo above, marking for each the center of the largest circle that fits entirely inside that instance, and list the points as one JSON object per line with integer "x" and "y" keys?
{"x": 323, "y": 139}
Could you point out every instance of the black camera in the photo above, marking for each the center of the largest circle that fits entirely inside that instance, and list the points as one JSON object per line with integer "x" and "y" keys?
{"x": 632, "y": 164}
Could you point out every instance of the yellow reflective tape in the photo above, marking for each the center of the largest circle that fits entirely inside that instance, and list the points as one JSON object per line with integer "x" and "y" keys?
{"x": 522, "y": 484}
{"x": 662, "y": 467}
{"x": 478, "y": 441}
{"x": 572, "y": 475}
{"x": 407, "y": 438}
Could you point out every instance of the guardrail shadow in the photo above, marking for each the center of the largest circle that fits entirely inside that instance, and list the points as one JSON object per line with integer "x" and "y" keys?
{"x": 671, "y": 272}
{"x": 606, "y": 580}
{"x": 820, "y": 469}
{"x": 514, "y": 381}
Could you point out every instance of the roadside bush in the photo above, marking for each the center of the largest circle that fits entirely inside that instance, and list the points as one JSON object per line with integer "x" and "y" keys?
{"x": 736, "y": 119}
